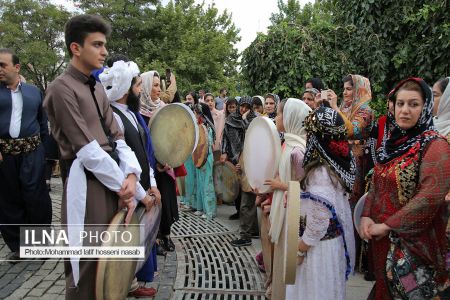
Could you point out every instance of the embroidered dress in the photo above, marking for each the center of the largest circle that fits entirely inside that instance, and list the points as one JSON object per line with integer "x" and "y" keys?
{"x": 323, "y": 271}
{"x": 411, "y": 179}
{"x": 420, "y": 221}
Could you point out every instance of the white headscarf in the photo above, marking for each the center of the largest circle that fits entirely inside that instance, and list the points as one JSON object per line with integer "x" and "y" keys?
{"x": 117, "y": 79}
{"x": 442, "y": 119}
{"x": 149, "y": 106}
{"x": 294, "y": 113}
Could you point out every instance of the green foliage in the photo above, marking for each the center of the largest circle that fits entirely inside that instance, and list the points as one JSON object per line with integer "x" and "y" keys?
{"x": 194, "y": 41}
{"x": 385, "y": 41}
{"x": 34, "y": 30}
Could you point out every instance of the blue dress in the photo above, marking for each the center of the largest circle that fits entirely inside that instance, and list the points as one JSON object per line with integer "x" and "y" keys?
{"x": 206, "y": 197}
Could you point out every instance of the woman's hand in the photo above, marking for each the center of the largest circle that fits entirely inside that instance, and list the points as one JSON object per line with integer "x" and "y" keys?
{"x": 223, "y": 157}
{"x": 238, "y": 168}
{"x": 276, "y": 184}
{"x": 162, "y": 168}
{"x": 379, "y": 230}
{"x": 447, "y": 197}
{"x": 266, "y": 205}
{"x": 300, "y": 260}
{"x": 332, "y": 99}
{"x": 364, "y": 232}
{"x": 154, "y": 190}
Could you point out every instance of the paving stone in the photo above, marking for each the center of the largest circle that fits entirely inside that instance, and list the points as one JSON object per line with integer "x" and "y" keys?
{"x": 18, "y": 294}
{"x": 43, "y": 272}
{"x": 8, "y": 290}
{"x": 34, "y": 266}
{"x": 33, "y": 281}
{"x": 49, "y": 265}
{"x": 45, "y": 285}
{"x": 56, "y": 289}
{"x": 7, "y": 278}
{"x": 36, "y": 292}
{"x": 17, "y": 268}
{"x": 49, "y": 297}
{"x": 61, "y": 283}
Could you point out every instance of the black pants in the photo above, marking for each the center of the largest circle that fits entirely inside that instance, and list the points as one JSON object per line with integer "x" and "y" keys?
{"x": 248, "y": 215}
{"x": 24, "y": 197}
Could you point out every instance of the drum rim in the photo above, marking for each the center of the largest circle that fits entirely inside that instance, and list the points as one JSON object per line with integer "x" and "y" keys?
{"x": 268, "y": 123}
{"x": 102, "y": 263}
{"x": 292, "y": 224}
{"x": 360, "y": 202}
{"x": 205, "y": 131}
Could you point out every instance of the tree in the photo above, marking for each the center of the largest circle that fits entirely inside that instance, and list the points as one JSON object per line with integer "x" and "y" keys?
{"x": 385, "y": 41}
{"x": 194, "y": 41}
{"x": 34, "y": 30}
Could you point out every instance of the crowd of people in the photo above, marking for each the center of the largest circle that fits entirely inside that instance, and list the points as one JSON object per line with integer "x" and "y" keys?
{"x": 336, "y": 149}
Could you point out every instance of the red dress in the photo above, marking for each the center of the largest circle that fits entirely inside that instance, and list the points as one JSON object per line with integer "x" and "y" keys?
{"x": 415, "y": 212}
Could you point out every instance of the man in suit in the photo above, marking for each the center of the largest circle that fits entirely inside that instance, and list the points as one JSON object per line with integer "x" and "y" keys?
{"x": 24, "y": 197}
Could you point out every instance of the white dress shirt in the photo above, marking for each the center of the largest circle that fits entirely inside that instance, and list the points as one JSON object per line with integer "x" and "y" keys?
{"x": 132, "y": 118}
{"x": 16, "y": 112}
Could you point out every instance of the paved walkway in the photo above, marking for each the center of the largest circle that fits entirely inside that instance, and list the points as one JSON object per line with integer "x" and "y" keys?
{"x": 204, "y": 265}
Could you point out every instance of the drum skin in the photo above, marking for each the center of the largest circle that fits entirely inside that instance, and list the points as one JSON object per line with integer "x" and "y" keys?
{"x": 262, "y": 151}
{"x": 200, "y": 154}
{"x": 359, "y": 207}
{"x": 226, "y": 181}
{"x": 114, "y": 276}
{"x": 174, "y": 133}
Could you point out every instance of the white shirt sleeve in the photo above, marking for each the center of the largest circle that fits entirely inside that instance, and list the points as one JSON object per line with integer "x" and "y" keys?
{"x": 96, "y": 160}
{"x": 119, "y": 121}
{"x": 128, "y": 161}
{"x": 152, "y": 178}
{"x": 140, "y": 192}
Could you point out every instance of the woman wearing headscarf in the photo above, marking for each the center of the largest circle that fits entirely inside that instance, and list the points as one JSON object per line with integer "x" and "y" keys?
{"x": 404, "y": 212}
{"x": 358, "y": 116}
{"x": 205, "y": 201}
{"x": 326, "y": 253}
{"x": 150, "y": 97}
{"x": 441, "y": 111}
{"x": 289, "y": 120}
{"x": 270, "y": 105}
{"x": 219, "y": 120}
{"x": 165, "y": 176}
{"x": 258, "y": 105}
{"x": 309, "y": 97}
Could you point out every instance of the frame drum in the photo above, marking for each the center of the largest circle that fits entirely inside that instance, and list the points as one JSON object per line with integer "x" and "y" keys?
{"x": 114, "y": 275}
{"x": 262, "y": 150}
{"x": 174, "y": 133}
{"x": 226, "y": 181}
{"x": 292, "y": 229}
{"x": 359, "y": 207}
{"x": 200, "y": 154}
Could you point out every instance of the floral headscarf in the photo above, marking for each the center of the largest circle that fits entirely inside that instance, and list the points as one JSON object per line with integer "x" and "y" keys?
{"x": 362, "y": 95}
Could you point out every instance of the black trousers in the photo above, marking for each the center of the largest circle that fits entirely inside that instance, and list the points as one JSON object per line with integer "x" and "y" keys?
{"x": 24, "y": 198}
